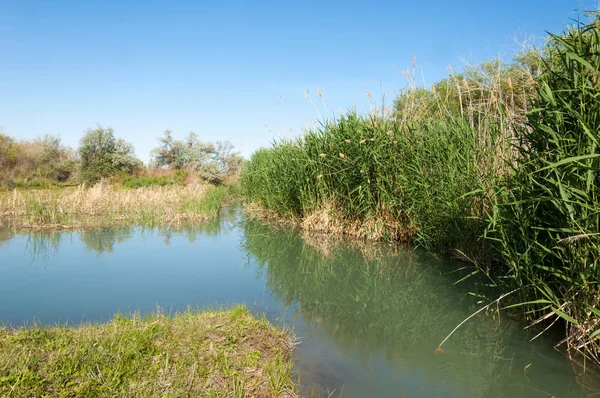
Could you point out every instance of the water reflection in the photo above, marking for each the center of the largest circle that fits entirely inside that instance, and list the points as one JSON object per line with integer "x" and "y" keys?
{"x": 397, "y": 305}
{"x": 44, "y": 245}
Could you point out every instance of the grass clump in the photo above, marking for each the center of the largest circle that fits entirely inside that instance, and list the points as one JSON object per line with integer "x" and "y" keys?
{"x": 210, "y": 203}
{"x": 220, "y": 354}
{"x": 422, "y": 172}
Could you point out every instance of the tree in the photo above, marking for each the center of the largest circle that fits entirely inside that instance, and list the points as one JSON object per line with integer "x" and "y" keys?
{"x": 169, "y": 154}
{"x": 212, "y": 161}
{"x": 103, "y": 155}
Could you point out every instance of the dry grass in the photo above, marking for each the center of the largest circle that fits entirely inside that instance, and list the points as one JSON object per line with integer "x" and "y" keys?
{"x": 211, "y": 354}
{"x": 105, "y": 204}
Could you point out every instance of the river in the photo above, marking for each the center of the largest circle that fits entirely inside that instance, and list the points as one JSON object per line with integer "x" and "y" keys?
{"x": 368, "y": 317}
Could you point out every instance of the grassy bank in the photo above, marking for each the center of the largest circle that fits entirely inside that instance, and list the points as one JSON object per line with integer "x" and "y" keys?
{"x": 497, "y": 165}
{"x": 210, "y": 354}
{"x": 105, "y": 204}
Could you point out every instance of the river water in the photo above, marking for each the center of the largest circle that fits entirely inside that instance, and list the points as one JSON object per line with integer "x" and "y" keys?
{"x": 368, "y": 316}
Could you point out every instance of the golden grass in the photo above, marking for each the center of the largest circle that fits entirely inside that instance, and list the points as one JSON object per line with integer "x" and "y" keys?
{"x": 105, "y": 204}
{"x": 327, "y": 219}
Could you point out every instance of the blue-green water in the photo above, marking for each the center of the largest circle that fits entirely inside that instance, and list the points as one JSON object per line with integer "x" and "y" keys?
{"x": 368, "y": 317}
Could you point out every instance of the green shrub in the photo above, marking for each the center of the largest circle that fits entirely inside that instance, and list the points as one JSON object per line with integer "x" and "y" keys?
{"x": 45, "y": 158}
{"x": 103, "y": 155}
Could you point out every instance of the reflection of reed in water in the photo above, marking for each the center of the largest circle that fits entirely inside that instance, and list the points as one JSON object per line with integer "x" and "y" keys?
{"x": 43, "y": 246}
{"x": 326, "y": 245}
{"x": 587, "y": 375}
{"x": 379, "y": 299}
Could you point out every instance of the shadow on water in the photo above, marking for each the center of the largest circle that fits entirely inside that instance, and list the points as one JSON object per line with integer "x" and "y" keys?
{"x": 369, "y": 316}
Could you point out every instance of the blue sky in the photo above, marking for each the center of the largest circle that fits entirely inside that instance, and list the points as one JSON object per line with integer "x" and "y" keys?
{"x": 235, "y": 70}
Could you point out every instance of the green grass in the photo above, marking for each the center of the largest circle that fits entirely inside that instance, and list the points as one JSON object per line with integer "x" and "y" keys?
{"x": 33, "y": 183}
{"x": 209, "y": 354}
{"x": 211, "y": 203}
{"x": 138, "y": 182}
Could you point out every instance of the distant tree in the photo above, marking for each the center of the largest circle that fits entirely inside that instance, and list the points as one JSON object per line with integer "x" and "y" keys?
{"x": 52, "y": 149}
{"x": 102, "y": 154}
{"x": 230, "y": 161}
{"x": 212, "y": 161}
{"x": 169, "y": 153}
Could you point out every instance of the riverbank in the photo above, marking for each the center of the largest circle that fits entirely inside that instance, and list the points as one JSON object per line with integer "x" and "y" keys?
{"x": 105, "y": 204}
{"x": 225, "y": 353}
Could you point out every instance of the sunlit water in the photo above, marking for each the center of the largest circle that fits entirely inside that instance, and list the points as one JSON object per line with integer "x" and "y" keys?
{"x": 368, "y": 317}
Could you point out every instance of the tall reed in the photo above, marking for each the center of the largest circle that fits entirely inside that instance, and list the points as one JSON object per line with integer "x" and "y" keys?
{"x": 377, "y": 178}
{"x": 546, "y": 217}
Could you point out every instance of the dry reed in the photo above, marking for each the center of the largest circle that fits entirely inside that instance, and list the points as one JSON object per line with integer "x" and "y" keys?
{"x": 104, "y": 203}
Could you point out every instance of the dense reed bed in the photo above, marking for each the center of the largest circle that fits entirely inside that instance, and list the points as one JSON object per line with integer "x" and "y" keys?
{"x": 496, "y": 165}
{"x": 105, "y": 204}
{"x": 209, "y": 354}
{"x": 368, "y": 177}
{"x": 545, "y": 220}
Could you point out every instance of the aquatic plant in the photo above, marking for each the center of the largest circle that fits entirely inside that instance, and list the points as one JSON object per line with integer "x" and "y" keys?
{"x": 373, "y": 177}
{"x": 546, "y": 217}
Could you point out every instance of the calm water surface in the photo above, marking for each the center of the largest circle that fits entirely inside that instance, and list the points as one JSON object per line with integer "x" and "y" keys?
{"x": 369, "y": 317}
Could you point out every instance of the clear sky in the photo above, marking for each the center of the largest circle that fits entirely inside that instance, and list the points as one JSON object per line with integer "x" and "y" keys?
{"x": 235, "y": 70}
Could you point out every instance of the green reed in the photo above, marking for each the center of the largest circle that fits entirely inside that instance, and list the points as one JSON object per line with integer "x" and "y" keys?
{"x": 390, "y": 181}
{"x": 546, "y": 218}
